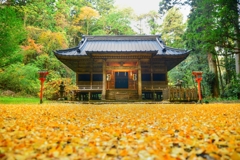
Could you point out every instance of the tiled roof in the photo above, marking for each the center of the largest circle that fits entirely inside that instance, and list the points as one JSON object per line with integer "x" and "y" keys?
{"x": 120, "y": 44}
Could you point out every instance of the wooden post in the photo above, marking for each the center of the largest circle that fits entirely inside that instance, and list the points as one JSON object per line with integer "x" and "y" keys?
{"x": 91, "y": 82}
{"x": 199, "y": 90}
{"x": 104, "y": 81}
{"x": 41, "y": 92}
{"x": 198, "y": 79}
{"x": 42, "y": 78}
{"x": 151, "y": 74}
{"x": 139, "y": 80}
{"x": 91, "y": 77}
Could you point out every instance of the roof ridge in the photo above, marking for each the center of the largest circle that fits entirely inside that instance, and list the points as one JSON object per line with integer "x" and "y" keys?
{"x": 121, "y": 37}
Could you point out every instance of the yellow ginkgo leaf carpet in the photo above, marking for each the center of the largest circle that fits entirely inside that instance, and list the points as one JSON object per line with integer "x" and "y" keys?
{"x": 120, "y": 131}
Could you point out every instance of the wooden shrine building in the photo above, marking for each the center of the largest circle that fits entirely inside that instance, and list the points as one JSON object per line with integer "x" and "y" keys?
{"x": 121, "y": 67}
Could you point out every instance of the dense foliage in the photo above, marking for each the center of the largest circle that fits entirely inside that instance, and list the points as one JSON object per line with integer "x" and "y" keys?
{"x": 11, "y": 30}
{"x": 36, "y": 28}
{"x": 212, "y": 32}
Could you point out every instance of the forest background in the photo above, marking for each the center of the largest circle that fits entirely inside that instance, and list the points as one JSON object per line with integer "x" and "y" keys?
{"x": 31, "y": 30}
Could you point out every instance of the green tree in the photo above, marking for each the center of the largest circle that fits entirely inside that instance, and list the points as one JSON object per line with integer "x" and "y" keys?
{"x": 64, "y": 15}
{"x": 200, "y": 37}
{"x": 172, "y": 28}
{"x": 20, "y": 78}
{"x": 227, "y": 28}
{"x": 12, "y": 34}
{"x": 165, "y": 5}
{"x": 102, "y": 6}
{"x": 213, "y": 28}
{"x": 152, "y": 20}
{"x": 39, "y": 14}
{"x": 117, "y": 22}
{"x": 227, "y": 32}
{"x": 146, "y": 21}
{"x": 13, "y": 2}
{"x": 140, "y": 21}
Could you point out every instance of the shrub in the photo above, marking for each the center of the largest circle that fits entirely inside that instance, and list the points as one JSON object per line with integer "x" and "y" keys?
{"x": 232, "y": 90}
{"x": 52, "y": 87}
{"x": 20, "y": 78}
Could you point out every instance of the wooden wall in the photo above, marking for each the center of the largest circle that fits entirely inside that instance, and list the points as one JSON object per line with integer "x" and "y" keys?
{"x": 148, "y": 66}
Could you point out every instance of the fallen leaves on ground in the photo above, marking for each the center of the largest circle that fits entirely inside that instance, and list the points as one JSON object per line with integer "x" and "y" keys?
{"x": 120, "y": 131}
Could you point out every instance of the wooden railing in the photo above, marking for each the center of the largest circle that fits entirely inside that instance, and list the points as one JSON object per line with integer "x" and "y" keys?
{"x": 90, "y": 87}
{"x": 170, "y": 93}
{"x": 153, "y": 87}
{"x": 180, "y": 94}
{"x": 99, "y": 87}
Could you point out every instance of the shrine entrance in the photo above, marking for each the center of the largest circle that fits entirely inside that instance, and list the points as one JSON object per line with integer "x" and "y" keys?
{"x": 121, "y": 80}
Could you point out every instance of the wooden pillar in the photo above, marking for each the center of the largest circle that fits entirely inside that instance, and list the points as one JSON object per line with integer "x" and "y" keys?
{"x": 104, "y": 81}
{"x": 91, "y": 80}
{"x": 77, "y": 78}
{"x": 151, "y": 70}
{"x": 139, "y": 80}
{"x": 89, "y": 96}
{"x": 77, "y": 82}
{"x": 91, "y": 75}
{"x": 151, "y": 74}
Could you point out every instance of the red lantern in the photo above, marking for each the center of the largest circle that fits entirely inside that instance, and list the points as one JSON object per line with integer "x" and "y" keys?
{"x": 198, "y": 79}
{"x": 42, "y": 78}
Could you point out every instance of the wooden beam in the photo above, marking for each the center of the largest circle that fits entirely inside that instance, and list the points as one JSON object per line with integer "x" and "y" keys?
{"x": 121, "y": 67}
{"x": 121, "y": 59}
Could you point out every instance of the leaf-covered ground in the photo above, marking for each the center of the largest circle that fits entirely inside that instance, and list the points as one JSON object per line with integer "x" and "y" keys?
{"x": 120, "y": 131}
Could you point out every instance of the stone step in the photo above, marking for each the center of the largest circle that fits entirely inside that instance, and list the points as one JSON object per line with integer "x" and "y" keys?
{"x": 121, "y": 95}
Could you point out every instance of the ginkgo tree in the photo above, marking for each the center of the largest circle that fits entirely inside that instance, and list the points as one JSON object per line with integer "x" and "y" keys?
{"x": 86, "y": 19}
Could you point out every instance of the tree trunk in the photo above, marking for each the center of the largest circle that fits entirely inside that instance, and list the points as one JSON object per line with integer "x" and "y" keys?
{"x": 226, "y": 65}
{"x": 237, "y": 60}
{"x": 87, "y": 26}
{"x": 237, "y": 31}
{"x": 213, "y": 68}
{"x": 220, "y": 75}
